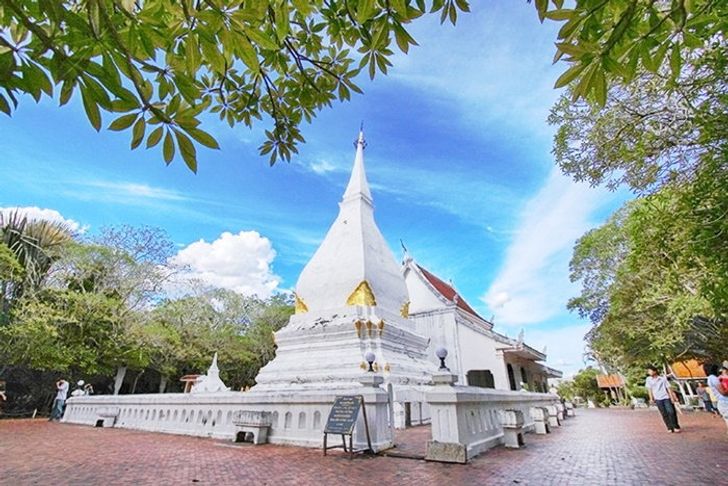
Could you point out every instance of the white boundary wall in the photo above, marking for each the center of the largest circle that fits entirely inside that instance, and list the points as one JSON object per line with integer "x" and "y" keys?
{"x": 470, "y": 416}
{"x": 297, "y": 418}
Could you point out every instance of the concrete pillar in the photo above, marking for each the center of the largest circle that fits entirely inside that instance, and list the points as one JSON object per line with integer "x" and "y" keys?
{"x": 376, "y": 401}
{"x": 540, "y": 418}
{"x": 553, "y": 416}
{"x": 512, "y": 421}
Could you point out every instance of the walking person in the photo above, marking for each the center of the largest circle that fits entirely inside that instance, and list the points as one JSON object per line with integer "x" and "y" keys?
{"x": 704, "y": 396}
{"x": 718, "y": 390}
{"x": 60, "y": 400}
{"x": 662, "y": 395}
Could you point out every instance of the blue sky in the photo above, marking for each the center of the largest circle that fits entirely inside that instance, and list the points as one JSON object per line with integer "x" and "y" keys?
{"x": 458, "y": 159}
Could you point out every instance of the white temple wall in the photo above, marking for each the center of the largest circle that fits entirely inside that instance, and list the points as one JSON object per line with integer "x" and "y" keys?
{"x": 468, "y": 349}
{"x": 439, "y": 326}
{"x": 479, "y": 352}
{"x": 297, "y": 419}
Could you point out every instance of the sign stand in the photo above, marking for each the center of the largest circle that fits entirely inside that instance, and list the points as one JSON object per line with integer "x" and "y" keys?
{"x": 342, "y": 420}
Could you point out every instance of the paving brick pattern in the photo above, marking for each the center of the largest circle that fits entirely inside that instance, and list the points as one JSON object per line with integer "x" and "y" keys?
{"x": 598, "y": 447}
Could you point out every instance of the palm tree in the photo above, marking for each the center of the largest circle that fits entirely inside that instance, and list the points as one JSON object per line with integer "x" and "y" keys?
{"x": 36, "y": 244}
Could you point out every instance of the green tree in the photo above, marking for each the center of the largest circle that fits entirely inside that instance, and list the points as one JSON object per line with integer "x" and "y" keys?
{"x": 161, "y": 64}
{"x": 238, "y": 328}
{"x": 128, "y": 265}
{"x": 583, "y": 385}
{"x": 607, "y": 42}
{"x": 64, "y": 331}
{"x": 652, "y": 293}
{"x": 36, "y": 246}
{"x": 658, "y": 130}
{"x": 11, "y": 275}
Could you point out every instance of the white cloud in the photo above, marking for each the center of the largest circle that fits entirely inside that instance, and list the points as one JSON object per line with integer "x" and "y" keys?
{"x": 239, "y": 262}
{"x": 322, "y": 167}
{"x": 499, "y": 300}
{"x": 565, "y": 346}
{"x": 34, "y": 213}
{"x": 134, "y": 190}
{"x": 534, "y": 275}
{"x": 495, "y": 66}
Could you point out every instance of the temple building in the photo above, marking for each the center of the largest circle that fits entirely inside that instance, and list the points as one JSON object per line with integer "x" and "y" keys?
{"x": 368, "y": 327}
{"x": 479, "y": 356}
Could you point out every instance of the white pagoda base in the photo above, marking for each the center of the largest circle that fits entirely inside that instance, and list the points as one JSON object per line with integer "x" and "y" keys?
{"x": 330, "y": 352}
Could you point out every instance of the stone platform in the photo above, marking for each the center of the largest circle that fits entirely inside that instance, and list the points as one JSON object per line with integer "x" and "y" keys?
{"x": 599, "y": 447}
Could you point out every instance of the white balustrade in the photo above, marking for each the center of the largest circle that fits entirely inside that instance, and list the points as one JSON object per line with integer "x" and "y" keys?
{"x": 468, "y": 420}
{"x": 296, "y": 418}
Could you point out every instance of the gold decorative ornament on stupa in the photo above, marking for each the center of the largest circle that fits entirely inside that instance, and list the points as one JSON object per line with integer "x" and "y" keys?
{"x": 300, "y": 305}
{"x": 404, "y": 311}
{"x": 362, "y": 295}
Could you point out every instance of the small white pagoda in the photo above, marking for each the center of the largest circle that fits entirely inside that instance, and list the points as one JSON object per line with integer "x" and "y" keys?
{"x": 351, "y": 299}
{"x": 211, "y": 382}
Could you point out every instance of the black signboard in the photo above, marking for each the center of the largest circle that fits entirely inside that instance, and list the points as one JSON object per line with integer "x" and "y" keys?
{"x": 343, "y": 415}
{"x": 342, "y": 419}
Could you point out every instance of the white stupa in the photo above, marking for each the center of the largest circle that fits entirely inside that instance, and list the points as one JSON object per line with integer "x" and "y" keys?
{"x": 351, "y": 298}
{"x": 211, "y": 382}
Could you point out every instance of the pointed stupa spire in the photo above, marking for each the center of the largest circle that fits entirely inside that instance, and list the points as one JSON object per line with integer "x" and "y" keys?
{"x": 211, "y": 382}
{"x": 353, "y": 265}
{"x": 358, "y": 187}
{"x": 213, "y": 367}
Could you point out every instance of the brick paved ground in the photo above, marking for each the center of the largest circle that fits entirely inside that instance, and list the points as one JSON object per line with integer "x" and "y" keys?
{"x": 599, "y": 447}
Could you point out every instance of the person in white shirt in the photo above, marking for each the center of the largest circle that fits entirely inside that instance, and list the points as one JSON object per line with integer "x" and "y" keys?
{"x": 78, "y": 392}
{"x": 720, "y": 392}
{"x": 60, "y": 400}
{"x": 662, "y": 395}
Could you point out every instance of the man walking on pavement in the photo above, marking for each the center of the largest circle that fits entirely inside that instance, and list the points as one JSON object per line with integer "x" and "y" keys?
{"x": 661, "y": 394}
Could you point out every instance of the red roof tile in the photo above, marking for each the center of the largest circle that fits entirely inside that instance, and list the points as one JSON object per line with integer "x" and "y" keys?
{"x": 448, "y": 292}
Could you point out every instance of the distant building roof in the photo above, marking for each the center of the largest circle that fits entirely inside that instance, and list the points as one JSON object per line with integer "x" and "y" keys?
{"x": 688, "y": 370}
{"x": 448, "y": 292}
{"x": 610, "y": 381}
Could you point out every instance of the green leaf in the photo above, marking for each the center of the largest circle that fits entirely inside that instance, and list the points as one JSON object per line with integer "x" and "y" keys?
{"x": 123, "y": 122}
{"x": 137, "y": 134}
{"x": 186, "y": 88}
{"x": 675, "y": 61}
{"x": 155, "y": 137}
{"x": 248, "y": 54}
{"x": 364, "y": 10}
{"x": 569, "y": 75}
{"x": 91, "y": 107}
{"x": 660, "y": 54}
{"x": 560, "y": 14}
{"x": 574, "y": 50}
{"x": 282, "y": 21}
{"x": 168, "y": 148}
{"x": 599, "y": 84}
{"x": 187, "y": 149}
{"x": 541, "y": 7}
{"x": 692, "y": 41}
{"x": 203, "y": 137}
{"x": 463, "y": 5}
{"x": 586, "y": 83}
{"x": 400, "y": 6}
{"x": 66, "y": 91}
{"x": 262, "y": 39}
{"x": 4, "y": 106}
{"x": 192, "y": 54}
